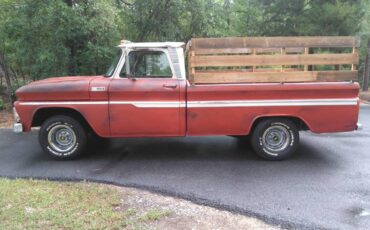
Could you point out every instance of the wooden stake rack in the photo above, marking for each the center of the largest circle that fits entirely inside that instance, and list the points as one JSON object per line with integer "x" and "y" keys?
{"x": 272, "y": 59}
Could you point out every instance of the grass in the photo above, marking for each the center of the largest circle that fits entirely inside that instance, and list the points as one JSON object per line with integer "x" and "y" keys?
{"x": 32, "y": 204}
{"x": 154, "y": 214}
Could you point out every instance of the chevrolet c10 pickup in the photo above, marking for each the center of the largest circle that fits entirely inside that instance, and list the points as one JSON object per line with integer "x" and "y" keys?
{"x": 266, "y": 88}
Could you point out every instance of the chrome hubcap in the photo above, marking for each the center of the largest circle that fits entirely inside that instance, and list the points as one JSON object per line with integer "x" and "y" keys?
{"x": 276, "y": 138}
{"x": 62, "y": 138}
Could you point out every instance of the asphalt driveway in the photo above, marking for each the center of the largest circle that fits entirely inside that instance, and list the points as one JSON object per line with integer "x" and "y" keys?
{"x": 325, "y": 185}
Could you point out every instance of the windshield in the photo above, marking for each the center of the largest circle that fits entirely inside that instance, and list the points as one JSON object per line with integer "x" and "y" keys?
{"x": 111, "y": 69}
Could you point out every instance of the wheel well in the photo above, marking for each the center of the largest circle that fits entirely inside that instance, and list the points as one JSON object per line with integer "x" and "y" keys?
{"x": 301, "y": 125}
{"x": 43, "y": 114}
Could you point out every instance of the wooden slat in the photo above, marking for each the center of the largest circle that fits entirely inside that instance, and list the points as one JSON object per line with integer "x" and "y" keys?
{"x": 262, "y": 70}
{"x": 256, "y": 77}
{"x": 354, "y": 51}
{"x": 273, "y": 42}
{"x": 277, "y": 70}
{"x": 306, "y": 52}
{"x": 282, "y": 53}
{"x": 268, "y": 60}
{"x": 278, "y": 50}
{"x": 191, "y": 69}
{"x": 223, "y": 51}
{"x": 254, "y": 53}
{"x": 246, "y": 51}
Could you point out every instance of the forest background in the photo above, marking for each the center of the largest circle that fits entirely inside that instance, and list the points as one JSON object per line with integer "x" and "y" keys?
{"x": 47, "y": 38}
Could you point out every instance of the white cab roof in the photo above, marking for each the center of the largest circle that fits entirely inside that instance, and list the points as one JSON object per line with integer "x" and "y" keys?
{"x": 152, "y": 44}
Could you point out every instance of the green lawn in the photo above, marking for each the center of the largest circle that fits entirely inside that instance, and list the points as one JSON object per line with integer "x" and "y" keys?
{"x": 34, "y": 204}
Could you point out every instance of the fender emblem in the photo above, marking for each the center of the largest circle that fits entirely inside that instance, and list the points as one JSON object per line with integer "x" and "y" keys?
{"x": 98, "y": 89}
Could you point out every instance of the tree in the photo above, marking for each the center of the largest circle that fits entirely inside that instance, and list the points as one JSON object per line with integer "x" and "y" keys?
{"x": 246, "y": 18}
{"x": 5, "y": 13}
{"x": 298, "y": 17}
{"x": 53, "y": 38}
{"x": 177, "y": 20}
{"x": 46, "y": 38}
{"x": 333, "y": 17}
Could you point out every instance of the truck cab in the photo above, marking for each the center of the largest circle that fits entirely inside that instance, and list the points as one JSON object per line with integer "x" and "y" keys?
{"x": 149, "y": 78}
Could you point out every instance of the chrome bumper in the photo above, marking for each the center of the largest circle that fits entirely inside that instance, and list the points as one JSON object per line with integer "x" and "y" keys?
{"x": 359, "y": 126}
{"x": 18, "y": 128}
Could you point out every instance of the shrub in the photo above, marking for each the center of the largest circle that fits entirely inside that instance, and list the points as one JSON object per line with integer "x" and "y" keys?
{"x": 2, "y": 104}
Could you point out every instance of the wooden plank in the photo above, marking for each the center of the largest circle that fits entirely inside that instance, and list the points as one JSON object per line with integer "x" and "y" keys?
{"x": 273, "y": 42}
{"x": 264, "y": 70}
{"x": 255, "y": 77}
{"x": 191, "y": 69}
{"x": 306, "y": 52}
{"x": 223, "y": 51}
{"x": 261, "y": 70}
{"x": 282, "y": 53}
{"x": 354, "y": 51}
{"x": 246, "y": 51}
{"x": 268, "y": 60}
{"x": 254, "y": 53}
{"x": 338, "y": 76}
{"x": 294, "y": 50}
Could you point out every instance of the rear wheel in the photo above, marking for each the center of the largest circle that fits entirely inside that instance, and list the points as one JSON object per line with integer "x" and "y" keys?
{"x": 275, "y": 139}
{"x": 63, "y": 137}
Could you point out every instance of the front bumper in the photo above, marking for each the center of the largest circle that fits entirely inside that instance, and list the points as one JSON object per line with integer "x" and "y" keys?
{"x": 17, "y": 127}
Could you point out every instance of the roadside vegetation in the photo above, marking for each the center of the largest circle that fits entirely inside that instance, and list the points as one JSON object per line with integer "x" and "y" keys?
{"x": 6, "y": 119}
{"x": 40, "y": 39}
{"x": 365, "y": 97}
{"x": 49, "y": 205}
{"x": 35, "y": 204}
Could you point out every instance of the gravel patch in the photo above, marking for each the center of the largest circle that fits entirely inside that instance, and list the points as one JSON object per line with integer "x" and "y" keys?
{"x": 182, "y": 214}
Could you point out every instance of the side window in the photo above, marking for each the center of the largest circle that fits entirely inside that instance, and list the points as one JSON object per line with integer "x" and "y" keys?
{"x": 149, "y": 64}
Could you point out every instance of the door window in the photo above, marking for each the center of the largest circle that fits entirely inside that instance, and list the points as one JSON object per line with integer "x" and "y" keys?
{"x": 148, "y": 64}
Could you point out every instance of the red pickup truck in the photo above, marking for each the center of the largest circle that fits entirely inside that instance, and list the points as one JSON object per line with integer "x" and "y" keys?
{"x": 146, "y": 93}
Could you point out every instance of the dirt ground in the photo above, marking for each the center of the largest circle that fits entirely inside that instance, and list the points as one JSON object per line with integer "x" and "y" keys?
{"x": 365, "y": 96}
{"x": 187, "y": 215}
{"x": 6, "y": 119}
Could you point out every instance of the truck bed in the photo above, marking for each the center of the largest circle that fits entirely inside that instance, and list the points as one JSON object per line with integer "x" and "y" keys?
{"x": 232, "y": 109}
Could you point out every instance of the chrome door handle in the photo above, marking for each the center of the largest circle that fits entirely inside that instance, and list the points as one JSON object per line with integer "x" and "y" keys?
{"x": 170, "y": 86}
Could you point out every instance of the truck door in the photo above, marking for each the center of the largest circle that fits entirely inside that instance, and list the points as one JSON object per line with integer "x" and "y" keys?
{"x": 145, "y": 99}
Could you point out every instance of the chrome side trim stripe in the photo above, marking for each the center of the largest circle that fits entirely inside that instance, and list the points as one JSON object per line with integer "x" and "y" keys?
{"x": 139, "y": 104}
{"x": 272, "y": 103}
{"x": 150, "y": 104}
{"x": 210, "y": 104}
{"x": 98, "y": 89}
{"x": 66, "y": 103}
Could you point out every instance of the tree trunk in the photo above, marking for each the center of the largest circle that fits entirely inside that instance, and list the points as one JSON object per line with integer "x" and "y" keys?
{"x": 15, "y": 76}
{"x": 70, "y": 3}
{"x": 8, "y": 81}
{"x": 365, "y": 84}
{"x": 1, "y": 80}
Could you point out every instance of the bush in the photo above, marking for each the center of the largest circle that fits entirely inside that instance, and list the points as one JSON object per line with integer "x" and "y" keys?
{"x": 2, "y": 104}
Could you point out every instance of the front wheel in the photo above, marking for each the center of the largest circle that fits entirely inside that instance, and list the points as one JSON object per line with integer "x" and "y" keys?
{"x": 275, "y": 139}
{"x": 63, "y": 137}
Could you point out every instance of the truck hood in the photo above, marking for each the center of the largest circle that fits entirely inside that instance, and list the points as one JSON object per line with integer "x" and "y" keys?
{"x": 57, "y": 89}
